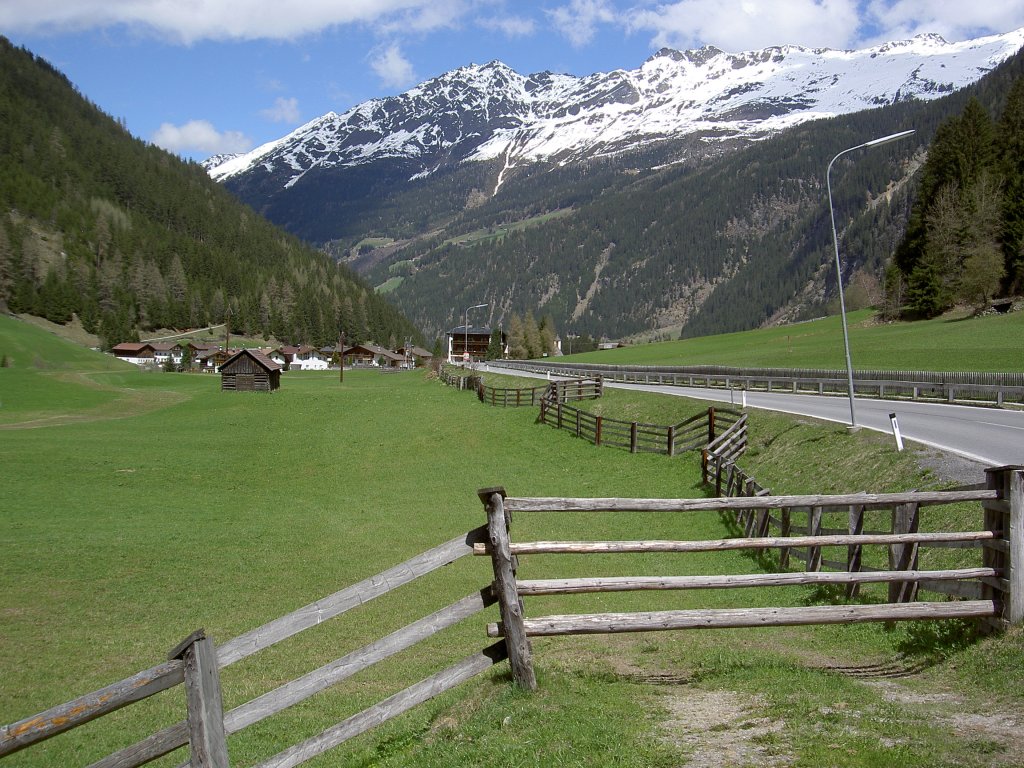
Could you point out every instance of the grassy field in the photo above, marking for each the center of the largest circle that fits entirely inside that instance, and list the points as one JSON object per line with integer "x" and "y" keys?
{"x": 954, "y": 343}
{"x": 135, "y": 508}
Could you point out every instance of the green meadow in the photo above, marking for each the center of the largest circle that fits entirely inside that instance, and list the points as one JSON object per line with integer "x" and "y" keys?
{"x": 137, "y": 507}
{"x": 948, "y": 343}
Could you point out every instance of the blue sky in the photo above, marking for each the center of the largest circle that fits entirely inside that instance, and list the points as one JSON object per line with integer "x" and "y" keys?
{"x": 206, "y": 76}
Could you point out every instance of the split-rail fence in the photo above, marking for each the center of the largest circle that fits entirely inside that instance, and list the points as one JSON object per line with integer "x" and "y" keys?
{"x": 989, "y": 591}
{"x": 196, "y": 663}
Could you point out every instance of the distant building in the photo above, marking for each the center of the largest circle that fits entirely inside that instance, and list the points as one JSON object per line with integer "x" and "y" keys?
{"x": 135, "y": 352}
{"x": 471, "y": 340}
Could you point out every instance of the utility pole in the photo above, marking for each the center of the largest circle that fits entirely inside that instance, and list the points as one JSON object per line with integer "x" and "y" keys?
{"x": 341, "y": 361}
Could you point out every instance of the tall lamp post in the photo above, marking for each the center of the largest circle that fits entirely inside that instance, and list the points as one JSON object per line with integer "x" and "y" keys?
{"x": 839, "y": 269}
{"x": 465, "y": 327}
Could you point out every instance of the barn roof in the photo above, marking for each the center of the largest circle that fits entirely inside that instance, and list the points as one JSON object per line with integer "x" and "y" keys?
{"x": 261, "y": 359}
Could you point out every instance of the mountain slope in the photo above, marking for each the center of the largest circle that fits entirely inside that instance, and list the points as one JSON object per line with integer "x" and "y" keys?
{"x": 126, "y": 236}
{"x": 682, "y": 203}
{"x": 491, "y": 112}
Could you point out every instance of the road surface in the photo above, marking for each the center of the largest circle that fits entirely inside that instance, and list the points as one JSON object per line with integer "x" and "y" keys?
{"x": 991, "y": 436}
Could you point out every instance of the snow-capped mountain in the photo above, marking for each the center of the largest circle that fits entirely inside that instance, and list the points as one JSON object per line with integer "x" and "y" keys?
{"x": 492, "y": 112}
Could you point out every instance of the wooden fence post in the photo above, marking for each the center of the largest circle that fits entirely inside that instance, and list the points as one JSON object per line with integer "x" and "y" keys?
{"x": 597, "y": 431}
{"x": 814, "y": 529}
{"x": 711, "y": 425}
{"x": 206, "y": 736}
{"x": 1006, "y": 515}
{"x": 632, "y": 437}
{"x": 853, "y": 551}
{"x": 903, "y": 557}
{"x": 671, "y": 440}
{"x": 785, "y": 526}
{"x": 520, "y": 654}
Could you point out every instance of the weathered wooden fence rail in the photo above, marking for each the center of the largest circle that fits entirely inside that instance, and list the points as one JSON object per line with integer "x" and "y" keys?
{"x": 196, "y": 663}
{"x": 990, "y": 590}
{"x": 560, "y": 391}
{"x": 691, "y": 434}
{"x": 950, "y": 386}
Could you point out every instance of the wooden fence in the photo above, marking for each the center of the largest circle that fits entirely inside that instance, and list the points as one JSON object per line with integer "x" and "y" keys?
{"x": 561, "y": 391}
{"x": 691, "y": 434}
{"x": 948, "y": 386}
{"x": 990, "y": 591}
{"x": 196, "y": 662}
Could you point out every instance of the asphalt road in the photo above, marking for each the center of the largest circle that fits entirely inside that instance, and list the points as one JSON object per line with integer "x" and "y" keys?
{"x": 991, "y": 436}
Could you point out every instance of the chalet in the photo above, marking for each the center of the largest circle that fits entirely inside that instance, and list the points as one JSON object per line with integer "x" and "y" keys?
{"x": 164, "y": 351}
{"x": 469, "y": 344}
{"x": 300, "y": 358}
{"x": 366, "y": 355}
{"x": 249, "y": 370}
{"x": 195, "y": 350}
{"x": 210, "y": 361}
{"x": 137, "y": 353}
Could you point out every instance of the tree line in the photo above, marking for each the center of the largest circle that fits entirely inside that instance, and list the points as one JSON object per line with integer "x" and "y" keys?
{"x": 965, "y": 239}
{"x": 129, "y": 238}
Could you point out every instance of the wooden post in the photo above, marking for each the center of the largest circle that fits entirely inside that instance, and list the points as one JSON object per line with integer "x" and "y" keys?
{"x": 711, "y": 425}
{"x": 785, "y": 527}
{"x": 903, "y": 557}
{"x": 597, "y": 432}
{"x": 672, "y": 440}
{"x": 814, "y": 529}
{"x": 632, "y": 437}
{"x": 520, "y": 654}
{"x": 853, "y": 551}
{"x": 1006, "y": 515}
{"x": 206, "y": 736}
{"x": 578, "y": 422}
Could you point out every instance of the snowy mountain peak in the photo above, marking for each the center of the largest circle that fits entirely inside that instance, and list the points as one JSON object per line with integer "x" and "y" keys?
{"x": 488, "y": 111}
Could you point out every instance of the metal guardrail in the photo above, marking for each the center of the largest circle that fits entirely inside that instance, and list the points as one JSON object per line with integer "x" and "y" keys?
{"x": 964, "y": 386}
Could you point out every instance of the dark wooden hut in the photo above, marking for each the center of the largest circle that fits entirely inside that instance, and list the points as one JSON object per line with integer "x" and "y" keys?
{"x": 249, "y": 370}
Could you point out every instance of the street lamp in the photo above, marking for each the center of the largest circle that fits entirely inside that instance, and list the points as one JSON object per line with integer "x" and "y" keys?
{"x": 839, "y": 269}
{"x": 465, "y": 327}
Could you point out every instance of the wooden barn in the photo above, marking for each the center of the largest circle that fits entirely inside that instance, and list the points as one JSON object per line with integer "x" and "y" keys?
{"x": 249, "y": 370}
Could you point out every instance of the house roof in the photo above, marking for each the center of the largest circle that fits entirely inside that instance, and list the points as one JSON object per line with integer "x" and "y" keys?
{"x": 164, "y": 346}
{"x": 131, "y": 347}
{"x": 262, "y": 360}
{"x": 472, "y": 331}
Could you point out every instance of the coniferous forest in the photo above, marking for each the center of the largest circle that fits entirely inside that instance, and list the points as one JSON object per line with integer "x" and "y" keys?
{"x": 965, "y": 240}
{"x": 694, "y": 240}
{"x": 129, "y": 238}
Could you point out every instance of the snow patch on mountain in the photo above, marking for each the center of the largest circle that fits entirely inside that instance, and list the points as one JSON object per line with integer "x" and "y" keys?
{"x": 492, "y": 112}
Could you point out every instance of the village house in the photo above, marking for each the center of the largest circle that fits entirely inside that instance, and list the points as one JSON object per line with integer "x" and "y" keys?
{"x": 164, "y": 351}
{"x": 135, "y": 352}
{"x": 300, "y": 358}
{"x": 470, "y": 344}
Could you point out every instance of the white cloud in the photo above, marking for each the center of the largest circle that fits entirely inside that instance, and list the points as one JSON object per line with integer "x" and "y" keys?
{"x": 749, "y": 24}
{"x": 510, "y": 26}
{"x": 200, "y": 136}
{"x": 283, "y": 111}
{"x": 741, "y": 25}
{"x": 578, "y": 21}
{"x": 391, "y": 66}
{"x": 953, "y": 19}
{"x": 195, "y": 20}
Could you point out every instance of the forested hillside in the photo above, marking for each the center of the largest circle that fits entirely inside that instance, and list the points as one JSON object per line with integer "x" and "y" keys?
{"x": 130, "y": 238}
{"x": 713, "y": 239}
{"x": 965, "y": 239}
